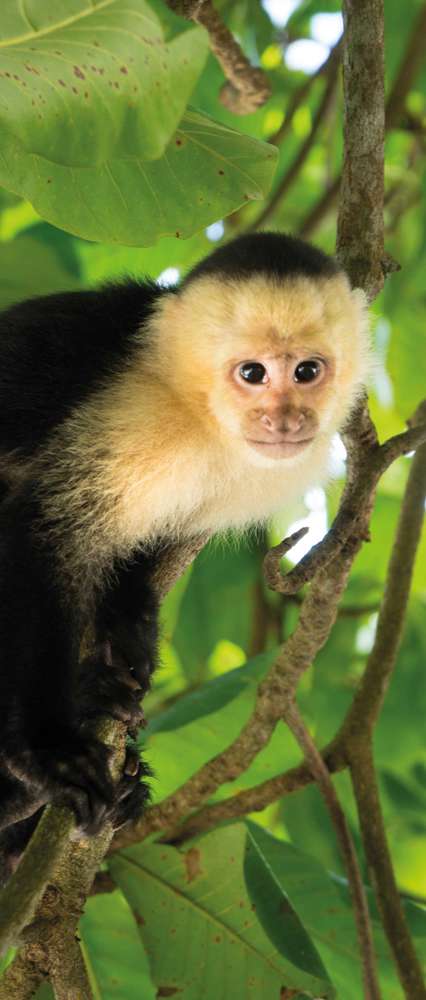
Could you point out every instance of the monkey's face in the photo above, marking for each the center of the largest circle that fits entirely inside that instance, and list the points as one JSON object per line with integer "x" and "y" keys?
{"x": 268, "y": 367}
{"x": 278, "y": 397}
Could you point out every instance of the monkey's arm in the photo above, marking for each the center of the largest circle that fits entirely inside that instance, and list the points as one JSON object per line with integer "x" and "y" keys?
{"x": 126, "y": 617}
{"x": 42, "y": 744}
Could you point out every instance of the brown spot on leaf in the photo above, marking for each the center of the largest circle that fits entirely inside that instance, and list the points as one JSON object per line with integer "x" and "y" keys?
{"x": 140, "y": 920}
{"x": 192, "y": 862}
{"x": 168, "y": 991}
{"x": 74, "y": 90}
{"x": 78, "y": 72}
{"x": 62, "y": 83}
{"x": 49, "y": 180}
{"x": 178, "y": 142}
{"x": 177, "y": 234}
{"x": 221, "y": 172}
{"x": 123, "y": 69}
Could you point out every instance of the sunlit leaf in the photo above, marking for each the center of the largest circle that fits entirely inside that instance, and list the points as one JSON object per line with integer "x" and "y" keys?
{"x": 206, "y": 171}
{"x": 113, "y": 953}
{"x": 322, "y": 901}
{"x": 82, "y": 83}
{"x": 200, "y": 927}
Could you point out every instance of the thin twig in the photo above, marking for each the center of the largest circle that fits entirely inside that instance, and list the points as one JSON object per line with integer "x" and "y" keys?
{"x": 380, "y": 868}
{"x": 369, "y": 698}
{"x": 321, "y": 209}
{"x": 362, "y": 918}
{"x": 295, "y": 167}
{"x": 301, "y": 93}
{"x": 410, "y": 65}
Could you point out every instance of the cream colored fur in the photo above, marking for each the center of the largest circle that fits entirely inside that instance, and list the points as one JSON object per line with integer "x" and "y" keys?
{"x": 157, "y": 451}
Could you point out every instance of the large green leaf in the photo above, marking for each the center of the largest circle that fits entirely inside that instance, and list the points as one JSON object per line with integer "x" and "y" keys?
{"x": 322, "y": 901}
{"x": 207, "y": 171}
{"x": 114, "y": 956}
{"x": 275, "y": 912}
{"x": 82, "y": 83}
{"x": 197, "y": 922}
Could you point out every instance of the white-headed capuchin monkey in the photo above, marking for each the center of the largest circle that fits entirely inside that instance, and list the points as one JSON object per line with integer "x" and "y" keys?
{"x": 129, "y": 417}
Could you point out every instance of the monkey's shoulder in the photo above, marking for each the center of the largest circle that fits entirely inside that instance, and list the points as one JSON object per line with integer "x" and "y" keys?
{"x": 55, "y": 350}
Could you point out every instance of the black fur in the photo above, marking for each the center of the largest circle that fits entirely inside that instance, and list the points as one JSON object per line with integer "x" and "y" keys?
{"x": 273, "y": 254}
{"x": 54, "y": 352}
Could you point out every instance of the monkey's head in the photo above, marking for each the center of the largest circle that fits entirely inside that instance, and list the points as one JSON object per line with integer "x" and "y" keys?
{"x": 268, "y": 340}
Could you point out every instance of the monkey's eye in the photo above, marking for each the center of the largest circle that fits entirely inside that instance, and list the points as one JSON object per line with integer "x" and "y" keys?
{"x": 307, "y": 371}
{"x": 253, "y": 372}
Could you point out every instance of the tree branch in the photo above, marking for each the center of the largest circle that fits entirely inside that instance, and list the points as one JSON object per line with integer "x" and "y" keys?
{"x": 360, "y": 241}
{"x": 19, "y": 898}
{"x": 247, "y": 86}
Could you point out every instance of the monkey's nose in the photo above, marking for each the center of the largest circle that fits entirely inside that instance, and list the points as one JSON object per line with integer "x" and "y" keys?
{"x": 267, "y": 422}
{"x": 292, "y": 421}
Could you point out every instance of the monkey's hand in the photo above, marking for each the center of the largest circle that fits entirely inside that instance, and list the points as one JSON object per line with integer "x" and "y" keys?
{"x": 22, "y": 808}
{"x": 69, "y": 767}
{"x": 108, "y": 688}
{"x": 133, "y": 646}
{"x": 132, "y": 792}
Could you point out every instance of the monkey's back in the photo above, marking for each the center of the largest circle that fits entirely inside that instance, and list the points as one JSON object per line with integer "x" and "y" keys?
{"x": 55, "y": 350}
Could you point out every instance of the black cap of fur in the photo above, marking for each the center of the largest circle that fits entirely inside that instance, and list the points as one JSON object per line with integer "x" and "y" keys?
{"x": 274, "y": 254}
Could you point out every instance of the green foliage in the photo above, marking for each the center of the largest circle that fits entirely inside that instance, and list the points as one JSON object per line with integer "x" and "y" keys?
{"x": 81, "y": 85}
{"x": 113, "y": 951}
{"x": 195, "y": 910}
{"x": 90, "y": 97}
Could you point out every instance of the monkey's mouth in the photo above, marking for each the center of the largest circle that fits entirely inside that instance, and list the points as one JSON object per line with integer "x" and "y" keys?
{"x": 286, "y": 448}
